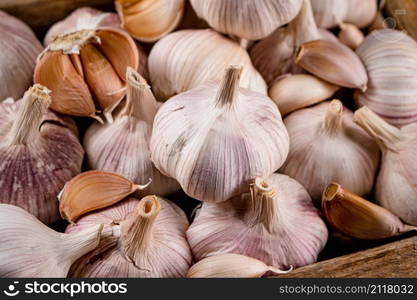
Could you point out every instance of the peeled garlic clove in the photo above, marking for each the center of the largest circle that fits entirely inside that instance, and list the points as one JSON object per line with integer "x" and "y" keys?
{"x": 231, "y": 135}
{"x": 395, "y": 187}
{"x": 298, "y": 91}
{"x": 390, "y": 59}
{"x": 93, "y": 190}
{"x": 327, "y": 146}
{"x": 350, "y": 35}
{"x": 187, "y": 58}
{"x": 275, "y": 223}
{"x": 143, "y": 238}
{"x": 122, "y": 147}
{"x": 359, "y": 218}
{"x": 254, "y": 20}
{"x": 30, "y": 249}
{"x": 39, "y": 152}
{"x": 333, "y": 62}
{"x": 19, "y": 49}
{"x": 230, "y": 266}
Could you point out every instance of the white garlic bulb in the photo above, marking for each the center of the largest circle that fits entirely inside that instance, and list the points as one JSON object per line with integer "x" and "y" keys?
{"x": 275, "y": 223}
{"x": 326, "y": 146}
{"x": 187, "y": 58}
{"x": 390, "y": 59}
{"x": 214, "y": 138}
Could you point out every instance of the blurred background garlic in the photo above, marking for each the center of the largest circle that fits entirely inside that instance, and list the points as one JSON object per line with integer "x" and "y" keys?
{"x": 326, "y": 146}
{"x": 149, "y": 20}
{"x": 19, "y": 49}
{"x": 247, "y": 19}
{"x": 123, "y": 146}
{"x": 390, "y": 59}
{"x": 28, "y": 248}
{"x": 395, "y": 187}
{"x": 350, "y": 35}
{"x": 39, "y": 152}
{"x": 87, "y": 67}
{"x": 214, "y": 138}
{"x": 275, "y": 223}
{"x": 187, "y": 58}
{"x": 143, "y": 238}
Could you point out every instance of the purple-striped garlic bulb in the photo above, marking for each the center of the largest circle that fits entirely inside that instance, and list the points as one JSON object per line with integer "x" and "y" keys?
{"x": 275, "y": 223}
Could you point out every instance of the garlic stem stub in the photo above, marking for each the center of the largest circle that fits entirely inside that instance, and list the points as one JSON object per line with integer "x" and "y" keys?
{"x": 275, "y": 223}
{"x": 327, "y": 146}
{"x": 39, "y": 152}
{"x": 87, "y": 68}
{"x": 395, "y": 185}
{"x": 359, "y": 218}
{"x": 28, "y": 248}
{"x": 215, "y": 138}
{"x": 144, "y": 239}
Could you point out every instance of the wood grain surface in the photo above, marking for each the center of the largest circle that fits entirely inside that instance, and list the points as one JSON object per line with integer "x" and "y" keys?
{"x": 405, "y": 14}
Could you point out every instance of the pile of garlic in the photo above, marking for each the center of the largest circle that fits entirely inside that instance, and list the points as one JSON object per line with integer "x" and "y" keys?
{"x": 232, "y": 103}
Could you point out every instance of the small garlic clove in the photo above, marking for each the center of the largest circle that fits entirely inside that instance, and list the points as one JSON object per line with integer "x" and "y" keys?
{"x": 94, "y": 190}
{"x": 359, "y": 218}
{"x": 333, "y": 62}
{"x": 350, "y": 35}
{"x": 298, "y": 91}
{"x": 231, "y": 266}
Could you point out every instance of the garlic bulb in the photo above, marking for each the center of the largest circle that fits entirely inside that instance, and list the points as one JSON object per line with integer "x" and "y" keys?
{"x": 350, "y": 35}
{"x": 247, "y": 19}
{"x": 143, "y": 238}
{"x": 87, "y": 66}
{"x": 187, "y": 58}
{"x": 30, "y": 249}
{"x": 297, "y": 91}
{"x": 275, "y": 223}
{"x": 128, "y": 152}
{"x": 149, "y": 20}
{"x": 395, "y": 187}
{"x": 358, "y": 218}
{"x": 214, "y": 138}
{"x": 327, "y": 146}
{"x": 39, "y": 152}
{"x": 230, "y": 266}
{"x": 19, "y": 49}
{"x": 390, "y": 59}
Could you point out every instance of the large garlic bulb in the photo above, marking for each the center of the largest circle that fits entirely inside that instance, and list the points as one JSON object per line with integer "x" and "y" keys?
{"x": 276, "y": 223}
{"x": 39, "y": 153}
{"x": 185, "y": 59}
{"x": 390, "y": 58}
{"x": 19, "y": 49}
{"x": 214, "y": 138}
{"x": 247, "y": 19}
{"x": 327, "y": 146}
{"x": 143, "y": 238}
{"x": 123, "y": 146}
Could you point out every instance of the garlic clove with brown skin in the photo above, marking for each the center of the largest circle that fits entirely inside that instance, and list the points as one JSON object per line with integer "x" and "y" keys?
{"x": 232, "y": 135}
{"x": 186, "y": 59}
{"x": 28, "y": 248}
{"x": 359, "y": 218}
{"x": 327, "y": 146}
{"x": 39, "y": 152}
{"x": 128, "y": 153}
{"x": 231, "y": 266}
{"x": 275, "y": 223}
{"x": 350, "y": 35}
{"x": 143, "y": 238}
{"x": 395, "y": 188}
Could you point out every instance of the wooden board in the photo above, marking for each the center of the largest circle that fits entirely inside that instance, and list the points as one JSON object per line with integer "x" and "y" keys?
{"x": 405, "y": 14}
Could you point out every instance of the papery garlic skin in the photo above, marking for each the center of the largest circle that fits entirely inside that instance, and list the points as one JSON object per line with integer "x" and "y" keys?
{"x": 350, "y": 35}
{"x": 166, "y": 252}
{"x": 390, "y": 59}
{"x": 20, "y": 47}
{"x": 30, "y": 249}
{"x": 327, "y": 146}
{"x": 247, "y": 19}
{"x": 293, "y": 235}
{"x": 187, "y": 58}
{"x": 214, "y": 138}
{"x": 39, "y": 153}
